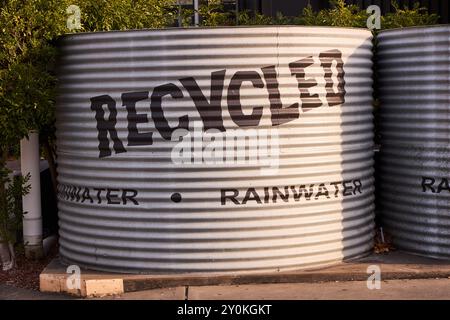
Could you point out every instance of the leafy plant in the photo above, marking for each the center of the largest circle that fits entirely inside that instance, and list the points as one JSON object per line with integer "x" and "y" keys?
{"x": 26, "y": 59}
{"x": 11, "y": 192}
{"x": 341, "y": 15}
{"x": 281, "y": 19}
{"x": 404, "y": 17}
{"x": 213, "y": 14}
{"x": 11, "y": 205}
{"x": 248, "y": 18}
{"x": 105, "y": 15}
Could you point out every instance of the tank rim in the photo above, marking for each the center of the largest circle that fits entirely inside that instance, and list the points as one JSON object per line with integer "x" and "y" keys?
{"x": 214, "y": 28}
{"x": 431, "y": 26}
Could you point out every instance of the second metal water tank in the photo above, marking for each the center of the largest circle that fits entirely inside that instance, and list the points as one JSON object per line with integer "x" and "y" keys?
{"x": 414, "y": 78}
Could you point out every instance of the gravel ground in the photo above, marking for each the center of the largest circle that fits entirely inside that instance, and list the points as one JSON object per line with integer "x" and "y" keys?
{"x": 26, "y": 275}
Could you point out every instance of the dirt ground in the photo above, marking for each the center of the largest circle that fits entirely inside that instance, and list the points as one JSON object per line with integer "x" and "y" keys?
{"x": 26, "y": 275}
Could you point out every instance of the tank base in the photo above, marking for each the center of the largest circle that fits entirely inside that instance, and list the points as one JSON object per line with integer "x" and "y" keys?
{"x": 56, "y": 277}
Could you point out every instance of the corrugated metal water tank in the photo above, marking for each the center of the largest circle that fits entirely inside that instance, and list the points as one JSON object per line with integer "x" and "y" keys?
{"x": 215, "y": 149}
{"x": 414, "y": 77}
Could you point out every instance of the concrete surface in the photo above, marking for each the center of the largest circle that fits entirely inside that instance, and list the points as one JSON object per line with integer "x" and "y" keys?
{"x": 423, "y": 289}
{"x": 395, "y": 265}
{"x": 178, "y": 293}
{"x": 432, "y": 289}
{"x": 13, "y": 293}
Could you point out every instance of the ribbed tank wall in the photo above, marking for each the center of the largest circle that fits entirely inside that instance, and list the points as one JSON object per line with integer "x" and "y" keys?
{"x": 127, "y": 204}
{"x": 414, "y": 77}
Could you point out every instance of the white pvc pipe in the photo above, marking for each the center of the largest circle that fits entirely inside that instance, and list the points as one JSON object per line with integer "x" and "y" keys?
{"x": 196, "y": 17}
{"x": 32, "y": 220}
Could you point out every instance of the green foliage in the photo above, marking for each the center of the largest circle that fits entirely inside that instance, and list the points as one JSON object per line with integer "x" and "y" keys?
{"x": 404, "y": 17}
{"x": 186, "y": 16}
{"x": 248, "y": 18}
{"x": 340, "y": 15}
{"x": 11, "y": 204}
{"x": 281, "y": 19}
{"x": 308, "y": 17}
{"x": 213, "y": 14}
{"x": 105, "y": 15}
{"x": 26, "y": 58}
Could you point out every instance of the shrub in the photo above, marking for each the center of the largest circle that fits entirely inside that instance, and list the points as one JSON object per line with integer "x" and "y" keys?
{"x": 340, "y": 15}
{"x": 11, "y": 192}
{"x": 404, "y": 17}
{"x": 105, "y": 15}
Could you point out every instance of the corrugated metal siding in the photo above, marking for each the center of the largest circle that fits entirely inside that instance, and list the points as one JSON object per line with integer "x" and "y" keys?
{"x": 325, "y": 144}
{"x": 414, "y": 78}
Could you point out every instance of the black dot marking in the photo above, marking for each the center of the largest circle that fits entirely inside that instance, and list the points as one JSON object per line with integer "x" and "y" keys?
{"x": 176, "y": 197}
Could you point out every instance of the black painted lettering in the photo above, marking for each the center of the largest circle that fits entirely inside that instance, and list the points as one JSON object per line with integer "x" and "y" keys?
{"x": 348, "y": 188}
{"x": 77, "y": 193}
{"x": 64, "y": 192}
{"x": 336, "y": 188}
{"x": 110, "y": 196}
{"x": 279, "y": 115}
{"x": 310, "y": 193}
{"x": 232, "y": 197}
{"x": 72, "y": 193}
{"x": 234, "y": 99}
{"x": 266, "y": 195}
{"x": 443, "y": 185}
{"x": 160, "y": 121}
{"x": 99, "y": 192}
{"x": 277, "y": 193}
{"x": 106, "y": 126}
{"x": 135, "y": 138}
{"x": 251, "y": 194}
{"x": 322, "y": 191}
{"x": 327, "y": 59}
{"x": 428, "y": 182}
{"x": 357, "y": 184}
{"x": 210, "y": 112}
{"x": 85, "y": 196}
{"x": 129, "y": 194}
{"x": 296, "y": 195}
{"x": 297, "y": 68}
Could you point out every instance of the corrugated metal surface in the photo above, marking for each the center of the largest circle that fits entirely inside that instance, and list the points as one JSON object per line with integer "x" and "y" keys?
{"x": 414, "y": 77}
{"x": 180, "y": 223}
